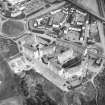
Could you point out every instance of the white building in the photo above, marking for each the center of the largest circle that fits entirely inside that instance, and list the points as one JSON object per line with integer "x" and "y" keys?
{"x": 13, "y": 2}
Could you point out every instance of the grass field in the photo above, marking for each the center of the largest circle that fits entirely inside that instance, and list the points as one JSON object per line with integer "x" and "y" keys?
{"x": 12, "y": 29}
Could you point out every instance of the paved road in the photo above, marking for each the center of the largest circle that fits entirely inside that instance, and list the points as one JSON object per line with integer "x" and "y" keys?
{"x": 80, "y": 48}
{"x": 101, "y": 7}
{"x": 101, "y": 33}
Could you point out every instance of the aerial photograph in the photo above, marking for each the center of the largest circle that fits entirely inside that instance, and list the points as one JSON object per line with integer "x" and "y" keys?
{"x": 52, "y": 52}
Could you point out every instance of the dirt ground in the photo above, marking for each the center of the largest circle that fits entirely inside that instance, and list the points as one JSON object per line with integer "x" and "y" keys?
{"x": 91, "y": 4}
